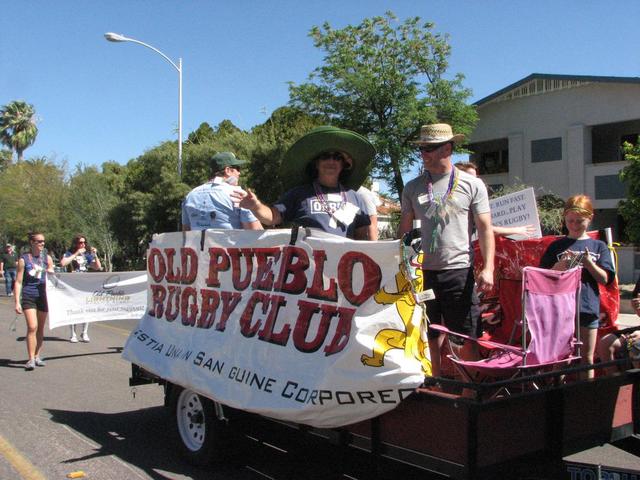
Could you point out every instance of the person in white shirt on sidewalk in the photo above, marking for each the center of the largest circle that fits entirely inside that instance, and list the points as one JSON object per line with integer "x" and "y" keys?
{"x": 80, "y": 258}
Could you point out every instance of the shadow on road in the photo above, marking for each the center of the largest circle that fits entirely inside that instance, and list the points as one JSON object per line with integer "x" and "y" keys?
{"x": 141, "y": 438}
{"x": 11, "y": 363}
{"x": 46, "y": 339}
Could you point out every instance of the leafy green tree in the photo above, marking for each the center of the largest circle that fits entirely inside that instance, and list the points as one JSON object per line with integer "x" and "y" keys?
{"x": 224, "y": 137}
{"x": 149, "y": 200}
{"x": 150, "y": 194}
{"x": 630, "y": 207}
{"x": 18, "y": 129}
{"x": 550, "y": 208}
{"x": 385, "y": 79}
{"x": 5, "y": 159}
{"x": 92, "y": 197}
{"x": 33, "y": 197}
{"x": 272, "y": 139}
{"x": 203, "y": 134}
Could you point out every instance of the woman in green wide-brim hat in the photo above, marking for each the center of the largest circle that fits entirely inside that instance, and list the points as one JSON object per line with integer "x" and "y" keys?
{"x": 298, "y": 165}
{"x": 321, "y": 172}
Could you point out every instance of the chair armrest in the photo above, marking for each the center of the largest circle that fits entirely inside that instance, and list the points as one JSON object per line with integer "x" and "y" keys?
{"x": 485, "y": 343}
{"x": 443, "y": 329}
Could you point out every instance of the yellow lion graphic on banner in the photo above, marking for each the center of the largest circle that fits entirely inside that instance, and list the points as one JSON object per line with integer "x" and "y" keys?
{"x": 410, "y": 338}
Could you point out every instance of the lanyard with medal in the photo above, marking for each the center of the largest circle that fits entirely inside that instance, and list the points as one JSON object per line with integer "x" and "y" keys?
{"x": 439, "y": 208}
{"x": 338, "y": 217}
{"x": 36, "y": 268}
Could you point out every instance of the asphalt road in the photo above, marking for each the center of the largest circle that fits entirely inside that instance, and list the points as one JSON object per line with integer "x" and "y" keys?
{"x": 78, "y": 412}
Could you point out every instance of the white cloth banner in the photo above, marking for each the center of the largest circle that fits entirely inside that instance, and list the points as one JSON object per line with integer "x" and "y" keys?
{"x": 93, "y": 297}
{"x": 325, "y": 332}
{"x": 516, "y": 210}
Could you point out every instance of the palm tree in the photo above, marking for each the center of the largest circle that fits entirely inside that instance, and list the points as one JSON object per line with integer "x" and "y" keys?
{"x": 18, "y": 128}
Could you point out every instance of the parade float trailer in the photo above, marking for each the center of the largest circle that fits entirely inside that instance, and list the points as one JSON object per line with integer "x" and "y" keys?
{"x": 299, "y": 339}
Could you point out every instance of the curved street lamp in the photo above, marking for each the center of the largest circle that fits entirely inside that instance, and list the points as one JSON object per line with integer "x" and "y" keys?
{"x": 118, "y": 37}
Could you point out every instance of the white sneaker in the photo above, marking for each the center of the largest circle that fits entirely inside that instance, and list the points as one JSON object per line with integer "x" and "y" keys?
{"x": 73, "y": 338}
{"x": 39, "y": 362}
{"x": 30, "y": 365}
{"x": 84, "y": 338}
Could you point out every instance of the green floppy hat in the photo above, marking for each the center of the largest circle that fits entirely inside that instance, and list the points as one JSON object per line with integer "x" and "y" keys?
{"x": 294, "y": 171}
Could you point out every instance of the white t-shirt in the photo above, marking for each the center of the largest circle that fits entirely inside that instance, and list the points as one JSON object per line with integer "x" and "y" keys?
{"x": 369, "y": 201}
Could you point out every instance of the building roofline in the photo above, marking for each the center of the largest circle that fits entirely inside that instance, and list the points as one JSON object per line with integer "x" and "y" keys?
{"x": 548, "y": 76}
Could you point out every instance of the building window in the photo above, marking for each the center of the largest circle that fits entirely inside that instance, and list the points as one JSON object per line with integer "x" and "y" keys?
{"x": 609, "y": 187}
{"x": 546, "y": 150}
{"x": 496, "y": 161}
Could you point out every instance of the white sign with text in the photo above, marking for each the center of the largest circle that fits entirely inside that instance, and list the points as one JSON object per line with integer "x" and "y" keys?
{"x": 96, "y": 296}
{"x": 516, "y": 210}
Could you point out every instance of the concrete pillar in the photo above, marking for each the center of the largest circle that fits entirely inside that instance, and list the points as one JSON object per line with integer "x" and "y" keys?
{"x": 578, "y": 151}
{"x": 516, "y": 158}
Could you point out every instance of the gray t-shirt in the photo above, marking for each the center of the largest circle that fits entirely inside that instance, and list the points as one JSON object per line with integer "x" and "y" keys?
{"x": 470, "y": 195}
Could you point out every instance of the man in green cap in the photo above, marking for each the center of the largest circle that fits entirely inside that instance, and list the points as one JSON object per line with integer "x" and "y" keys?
{"x": 322, "y": 172}
{"x": 210, "y": 205}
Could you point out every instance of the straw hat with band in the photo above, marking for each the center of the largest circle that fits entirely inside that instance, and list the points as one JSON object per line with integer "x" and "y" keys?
{"x": 437, "y": 133}
{"x": 294, "y": 169}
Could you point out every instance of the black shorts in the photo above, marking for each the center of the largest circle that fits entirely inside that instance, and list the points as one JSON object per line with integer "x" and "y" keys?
{"x": 456, "y": 303}
{"x": 39, "y": 303}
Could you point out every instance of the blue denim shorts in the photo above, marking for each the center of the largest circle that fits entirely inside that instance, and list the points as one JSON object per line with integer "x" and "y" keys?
{"x": 589, "y": 320}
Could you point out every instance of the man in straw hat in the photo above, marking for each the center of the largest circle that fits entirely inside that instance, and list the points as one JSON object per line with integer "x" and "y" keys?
{"x": 321, "y": 172}
{"x": 210, "y": 205}
{"x": 447, "y": 202}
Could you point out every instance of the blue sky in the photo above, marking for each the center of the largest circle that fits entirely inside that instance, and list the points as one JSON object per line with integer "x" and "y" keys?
{"x": 100, "y": 101}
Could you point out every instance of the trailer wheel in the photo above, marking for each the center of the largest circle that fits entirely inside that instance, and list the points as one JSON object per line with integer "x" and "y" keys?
{"x": 199, "y": 433}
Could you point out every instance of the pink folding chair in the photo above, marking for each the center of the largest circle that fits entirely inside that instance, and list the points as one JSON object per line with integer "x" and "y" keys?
{"x": 550, "y": 329}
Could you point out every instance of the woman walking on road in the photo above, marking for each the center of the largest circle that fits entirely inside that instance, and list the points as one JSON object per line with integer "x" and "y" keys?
{"x": 31, "y": 295}
{"x": 80, "y": 258}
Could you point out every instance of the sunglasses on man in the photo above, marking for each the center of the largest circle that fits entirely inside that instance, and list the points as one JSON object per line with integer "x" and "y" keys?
{"x": 431, "y": 147}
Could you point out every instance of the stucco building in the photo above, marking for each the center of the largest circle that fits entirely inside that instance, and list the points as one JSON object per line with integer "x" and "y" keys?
{"x": 561, "y": 134}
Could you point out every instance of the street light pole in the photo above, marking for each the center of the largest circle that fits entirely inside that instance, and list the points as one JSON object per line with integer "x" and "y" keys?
{"x": 117, "y": 37}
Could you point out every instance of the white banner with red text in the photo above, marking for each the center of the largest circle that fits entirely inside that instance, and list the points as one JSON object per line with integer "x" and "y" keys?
{"x": 324, "y": 331}
{"x": 96, "y": 296}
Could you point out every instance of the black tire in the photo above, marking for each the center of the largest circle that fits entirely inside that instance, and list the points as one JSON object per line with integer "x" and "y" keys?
{"x": 198, "y": 432}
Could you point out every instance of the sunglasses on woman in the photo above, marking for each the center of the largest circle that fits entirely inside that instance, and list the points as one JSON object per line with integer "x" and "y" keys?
{"x": 335, "y": 155}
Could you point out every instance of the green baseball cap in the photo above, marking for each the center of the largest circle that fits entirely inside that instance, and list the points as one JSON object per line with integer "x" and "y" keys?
{"x": 226, "y": 159}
